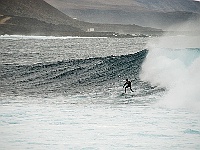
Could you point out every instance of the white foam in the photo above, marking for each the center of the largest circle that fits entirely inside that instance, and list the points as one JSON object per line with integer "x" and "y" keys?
{"x": 177, "y": 69}
{"x": 41, "y": 37}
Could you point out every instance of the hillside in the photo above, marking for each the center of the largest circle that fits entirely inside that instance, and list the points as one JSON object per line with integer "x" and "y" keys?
{"x": 34, "y": 17}
{"x": 37, "y": 9}
{"x": 37, "y": 16}
{"x": 149, "y": 13}
{"x": 26, "y": 26}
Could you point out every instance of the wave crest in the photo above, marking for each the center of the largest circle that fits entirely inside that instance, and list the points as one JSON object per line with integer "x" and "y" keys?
{"x": 69, "y": 76}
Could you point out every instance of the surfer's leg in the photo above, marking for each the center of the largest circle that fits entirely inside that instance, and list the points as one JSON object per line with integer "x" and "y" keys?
{"x": 131, "y": 89}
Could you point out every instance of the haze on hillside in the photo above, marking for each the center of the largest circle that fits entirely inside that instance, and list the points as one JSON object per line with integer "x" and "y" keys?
{"x": 37, "y": 17}
{"x": 149, "y": 13}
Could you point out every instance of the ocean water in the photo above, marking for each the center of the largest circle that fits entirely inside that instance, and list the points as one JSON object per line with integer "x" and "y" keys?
{"x": 67, "y": 93}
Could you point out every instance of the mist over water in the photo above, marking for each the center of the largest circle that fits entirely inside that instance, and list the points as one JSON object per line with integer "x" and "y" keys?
{"x": 173, "y": 62}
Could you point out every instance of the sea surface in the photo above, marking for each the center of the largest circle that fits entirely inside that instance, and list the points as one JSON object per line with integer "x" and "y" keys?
{"x": 67, "y": 93}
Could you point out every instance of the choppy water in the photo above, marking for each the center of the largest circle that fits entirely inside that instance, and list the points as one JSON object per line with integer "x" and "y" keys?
{"x": 66, "y": 93}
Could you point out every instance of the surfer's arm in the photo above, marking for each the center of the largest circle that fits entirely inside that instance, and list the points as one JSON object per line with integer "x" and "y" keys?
{"x": 124, "y": 84}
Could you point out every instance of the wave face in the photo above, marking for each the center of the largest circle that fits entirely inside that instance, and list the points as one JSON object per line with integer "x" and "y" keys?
{"x": 178, "y": 71}
{"x": 71, "y": 76}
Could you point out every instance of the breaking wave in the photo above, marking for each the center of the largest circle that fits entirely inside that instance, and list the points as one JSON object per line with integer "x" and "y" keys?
{"x": 71, "y": 76}
{"x": 178, "y": 71}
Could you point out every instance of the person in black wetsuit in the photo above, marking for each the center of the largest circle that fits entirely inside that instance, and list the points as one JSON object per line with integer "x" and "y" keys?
{"x": 127, "y": 84}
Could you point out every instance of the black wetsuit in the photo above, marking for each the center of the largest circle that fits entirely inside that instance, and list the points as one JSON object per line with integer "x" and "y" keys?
{"x": 128, "y": 83}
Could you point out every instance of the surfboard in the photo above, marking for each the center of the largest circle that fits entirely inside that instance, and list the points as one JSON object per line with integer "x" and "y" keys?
{"x": 122, "y": 94}
{"x": 127, "y": 95}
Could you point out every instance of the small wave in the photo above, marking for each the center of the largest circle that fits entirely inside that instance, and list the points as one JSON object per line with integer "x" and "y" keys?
{"x": 191, "y": 131}
{"x": 40, "y": 37}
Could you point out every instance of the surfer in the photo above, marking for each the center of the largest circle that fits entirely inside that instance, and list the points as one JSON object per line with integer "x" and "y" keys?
{"x": 127, "y": 84}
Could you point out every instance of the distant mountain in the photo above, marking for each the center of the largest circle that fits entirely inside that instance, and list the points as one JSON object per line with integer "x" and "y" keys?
{"x": 26, "y": 26}
{"x": 37, "y": 9}
{"x": 149, "y": 13}
{"x": 39, "y": 17}
{"x": 33, "y": 17}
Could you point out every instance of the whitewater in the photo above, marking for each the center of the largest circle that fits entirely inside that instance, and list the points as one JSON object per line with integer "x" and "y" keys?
{"x": 67, "y": 93}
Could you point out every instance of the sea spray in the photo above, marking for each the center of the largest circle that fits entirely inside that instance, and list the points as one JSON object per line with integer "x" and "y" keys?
{"x": 176, "y": 67}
